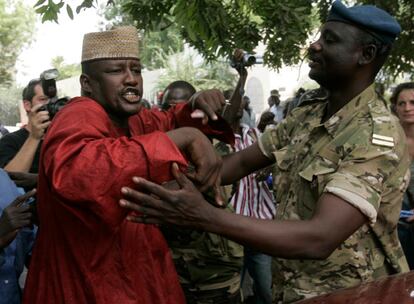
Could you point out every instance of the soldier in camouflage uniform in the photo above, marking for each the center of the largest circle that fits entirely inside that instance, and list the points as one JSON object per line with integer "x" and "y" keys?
{"x": 358, "y": 154}
{"x": 208, "y": 265}
{"x": 341, "y": 168}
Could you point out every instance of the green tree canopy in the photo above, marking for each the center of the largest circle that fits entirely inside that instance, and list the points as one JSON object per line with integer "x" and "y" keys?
{"x": 17, "y": 22}
{"x": 10, "y": 97}
{"x": 215, "y": 27}
{"x": 202, "y": 75}
{"x": 66, "y": 70}
{"x": 155, "y": 45}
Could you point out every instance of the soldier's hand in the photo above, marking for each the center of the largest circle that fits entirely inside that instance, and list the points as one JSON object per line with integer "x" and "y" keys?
{"x": 202, "y": 155}
{"x": 38, "y": 122}
{"x": 156, "y": 204}
{"x": 206, "y": 104}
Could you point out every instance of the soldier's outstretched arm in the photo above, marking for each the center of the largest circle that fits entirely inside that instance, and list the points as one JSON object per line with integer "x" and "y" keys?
{"x": 333, "y": 222}
{"x": 242, "y": 163}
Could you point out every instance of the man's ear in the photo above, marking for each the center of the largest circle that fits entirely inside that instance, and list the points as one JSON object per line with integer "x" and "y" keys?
{"x": 368, "y": 54}
{"x": 85, "y": 82}
{"x": 27, "y": 105}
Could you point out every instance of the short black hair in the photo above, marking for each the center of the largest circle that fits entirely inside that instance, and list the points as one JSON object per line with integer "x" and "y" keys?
{"x": 181, "y": 84}
{"x": 396, "y": 92}
{"x": 28, "y": 92}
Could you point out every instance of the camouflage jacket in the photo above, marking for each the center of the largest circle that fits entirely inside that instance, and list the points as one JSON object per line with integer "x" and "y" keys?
{"x": 360, "y": 155}
{"x": 206, "y": 261}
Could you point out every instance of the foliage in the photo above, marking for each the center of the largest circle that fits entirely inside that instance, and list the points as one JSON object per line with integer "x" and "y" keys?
{"x": 50, "y": 10}
{"x": 10, "y": 97}
{"x": 155, "y": 45}
{"x": 16, "y": 29}
{"x": 65, "y": 70}
{"x": 215, "y": 27}
{"x": 184, "y": 66}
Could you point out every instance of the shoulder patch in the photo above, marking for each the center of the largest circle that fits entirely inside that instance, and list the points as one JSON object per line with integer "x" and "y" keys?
{"x": 383, "y": 127}
{"x": 381, "y": 140}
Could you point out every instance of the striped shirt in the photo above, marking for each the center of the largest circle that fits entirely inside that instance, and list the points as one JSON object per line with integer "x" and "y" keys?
{"x": 252, "y": 198}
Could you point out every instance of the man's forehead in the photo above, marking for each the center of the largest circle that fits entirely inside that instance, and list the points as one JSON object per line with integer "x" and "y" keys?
{"x": 341, "y": 29}
{"x": 38, "y": 89}
{"x": 117, "y": 61}
{"x": 179, "y": 93}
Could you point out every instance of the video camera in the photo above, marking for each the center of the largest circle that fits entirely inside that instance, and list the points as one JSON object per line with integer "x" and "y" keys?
{"x": 48, "y": 82}
{"x": 246, "y": 61}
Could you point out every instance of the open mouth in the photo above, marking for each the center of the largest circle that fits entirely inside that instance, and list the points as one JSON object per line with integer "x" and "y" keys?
{"x": 131, "y": 95}
{"x": 314, "y": 62}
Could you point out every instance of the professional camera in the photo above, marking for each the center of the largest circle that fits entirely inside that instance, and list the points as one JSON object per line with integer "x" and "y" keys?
{"x": 48, "y": 80}
{"x": 246, "y": 61}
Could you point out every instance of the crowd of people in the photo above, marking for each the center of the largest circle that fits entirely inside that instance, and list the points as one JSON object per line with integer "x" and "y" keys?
{"x": 194, "y": 201}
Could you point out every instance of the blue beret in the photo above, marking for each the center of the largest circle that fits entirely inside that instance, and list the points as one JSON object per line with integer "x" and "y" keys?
{"x": 368, "y": 17}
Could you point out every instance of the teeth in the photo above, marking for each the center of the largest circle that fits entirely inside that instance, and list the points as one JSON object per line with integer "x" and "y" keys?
{"x": 131, "y": 97}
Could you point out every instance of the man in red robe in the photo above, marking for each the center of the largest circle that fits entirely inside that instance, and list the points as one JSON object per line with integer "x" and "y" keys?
{"x": 86, "y": 251}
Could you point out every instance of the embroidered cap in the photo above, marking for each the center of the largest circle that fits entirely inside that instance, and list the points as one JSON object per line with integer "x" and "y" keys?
{"x": 367, "y": 17}
{"x": 121, "y": 42}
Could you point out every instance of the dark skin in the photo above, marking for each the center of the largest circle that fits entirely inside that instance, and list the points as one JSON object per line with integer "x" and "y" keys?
{"x": 343, "y": 59}
{"x": 23, "y": 179}
{"x": 338, "y": 52}
{"x": 117, "y": 85}
{"x": 267, "y": 118}
{"x": 175, "y": 96}
{"x": 14, "y": 217}
{"x": 232, "y": 110}
{"x": 313, "y": 239}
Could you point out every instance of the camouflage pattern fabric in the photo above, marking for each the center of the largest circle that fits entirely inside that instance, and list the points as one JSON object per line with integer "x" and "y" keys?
{"x": 360, "y": 155}
{"x": 208, "y": 265}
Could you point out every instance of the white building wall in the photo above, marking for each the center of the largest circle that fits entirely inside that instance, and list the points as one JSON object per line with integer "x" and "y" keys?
{"x": 262, "y": 80}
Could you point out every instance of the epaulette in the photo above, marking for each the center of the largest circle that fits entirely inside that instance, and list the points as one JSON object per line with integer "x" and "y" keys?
{"x": 312, "y": 96}
{"x": 383, "y": 129}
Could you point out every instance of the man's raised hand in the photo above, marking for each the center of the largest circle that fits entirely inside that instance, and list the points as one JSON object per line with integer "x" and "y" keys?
{"x": 206, "y": 104}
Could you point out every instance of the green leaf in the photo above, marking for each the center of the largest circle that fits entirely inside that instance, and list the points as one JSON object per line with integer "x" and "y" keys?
{"x": 40, "y": 2}
{"x": 215, "y": 27}
{"x": 42, "y": 9}
{"x": 69, "y": 11}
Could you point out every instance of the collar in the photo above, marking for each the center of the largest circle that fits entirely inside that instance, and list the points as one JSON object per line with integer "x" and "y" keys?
{"x": 340, "y": 119}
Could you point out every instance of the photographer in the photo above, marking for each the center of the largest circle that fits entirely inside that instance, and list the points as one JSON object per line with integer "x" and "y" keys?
{"x": 20, "y": 150}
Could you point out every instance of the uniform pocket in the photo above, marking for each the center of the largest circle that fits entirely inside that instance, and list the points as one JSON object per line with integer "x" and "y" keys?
{"x": 315, "y": 176}
{"x": 284, "y": 158}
